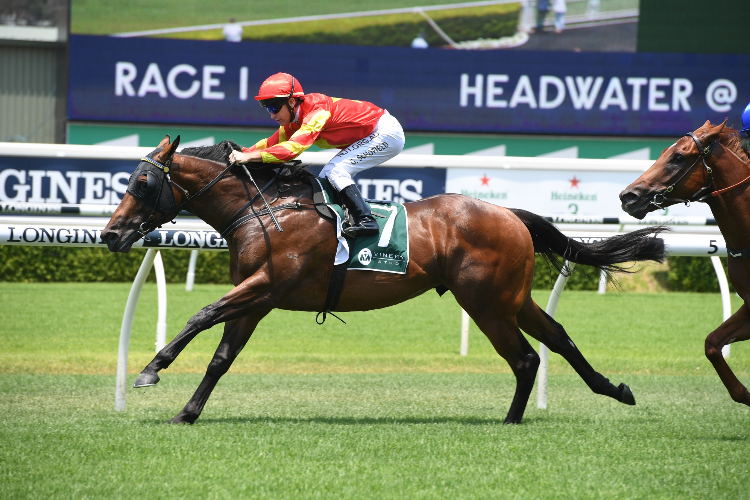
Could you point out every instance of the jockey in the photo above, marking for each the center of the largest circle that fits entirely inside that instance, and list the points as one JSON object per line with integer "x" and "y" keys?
{"x": 746, "y": 121}
{"x": 366, "y": 134}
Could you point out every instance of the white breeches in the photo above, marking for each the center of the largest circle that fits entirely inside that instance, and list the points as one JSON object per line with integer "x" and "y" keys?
{"x": 385, "y": 142}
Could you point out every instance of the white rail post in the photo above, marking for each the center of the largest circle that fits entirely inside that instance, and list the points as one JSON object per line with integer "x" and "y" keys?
{"x": 603, "y": 282}
{"x": 554, "y": 299}
{"x": 464, "y": 333}
{"x": 726, "y": 302}
{"x": 127, "y": 326}
{"x": 161, "y": 288}
{"x": 592, "y": 9}
{"x": 191, "y": 271}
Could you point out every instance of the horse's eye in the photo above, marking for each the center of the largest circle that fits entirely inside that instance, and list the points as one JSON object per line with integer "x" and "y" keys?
{"x": 143, "y": 184}
{"x": 678, "y": 158}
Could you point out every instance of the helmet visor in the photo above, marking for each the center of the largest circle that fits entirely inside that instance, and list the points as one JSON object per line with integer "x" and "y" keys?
{"x": 273, "y": 106}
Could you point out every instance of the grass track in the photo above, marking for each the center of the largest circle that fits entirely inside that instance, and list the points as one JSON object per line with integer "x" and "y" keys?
{"x": 381, "y": 408}
{"x": 77, "y": 332}
{"x": 370, "y": 436}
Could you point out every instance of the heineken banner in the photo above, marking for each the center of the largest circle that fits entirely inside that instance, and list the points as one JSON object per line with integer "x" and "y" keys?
{"x": 208, "y": 82}
{"x": 554, "y": 191}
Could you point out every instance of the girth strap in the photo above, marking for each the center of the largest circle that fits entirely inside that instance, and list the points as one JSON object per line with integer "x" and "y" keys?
{"x": 334, "y": 291}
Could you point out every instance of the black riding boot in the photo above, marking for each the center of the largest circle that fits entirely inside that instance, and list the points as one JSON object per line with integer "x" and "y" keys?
{"x": 364, "y": 222}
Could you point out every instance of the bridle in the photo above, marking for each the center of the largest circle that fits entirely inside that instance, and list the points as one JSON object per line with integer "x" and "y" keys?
{"x": 704, "y": 192}
{"x": 151, "y": 224}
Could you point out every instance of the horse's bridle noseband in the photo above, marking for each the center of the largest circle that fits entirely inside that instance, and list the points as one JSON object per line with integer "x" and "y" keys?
{"x": 149, "y": 166}
{"x": 704, "y": 192}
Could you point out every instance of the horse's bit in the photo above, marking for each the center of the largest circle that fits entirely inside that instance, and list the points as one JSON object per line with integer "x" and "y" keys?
{"x": 703, "y": 193}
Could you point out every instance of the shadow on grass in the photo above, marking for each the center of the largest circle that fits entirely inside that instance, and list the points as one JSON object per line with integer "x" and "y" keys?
{"x": 355, "y": 421}
{"x": 721, "y": 438}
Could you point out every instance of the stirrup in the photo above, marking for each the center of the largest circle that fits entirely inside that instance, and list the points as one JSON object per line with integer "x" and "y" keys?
{"x": 365, "y": 227}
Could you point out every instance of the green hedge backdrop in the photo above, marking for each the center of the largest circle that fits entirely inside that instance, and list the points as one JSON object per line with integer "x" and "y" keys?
{"x": 57, "y": 264}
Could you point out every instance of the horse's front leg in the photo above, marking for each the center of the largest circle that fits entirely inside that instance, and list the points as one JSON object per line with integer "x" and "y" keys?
{"x": 250, "y": 295}
{"x": 735, "y": 329}
{"x": 236, "y": 334}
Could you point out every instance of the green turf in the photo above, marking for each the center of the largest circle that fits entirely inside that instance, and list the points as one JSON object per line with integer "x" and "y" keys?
{"x": 395, "y": 29}
{"x": 76, "y": 331}
{"x": 370, "y": 436}
{"x": 383, "y": 407}
{"x": 103, "y": 17}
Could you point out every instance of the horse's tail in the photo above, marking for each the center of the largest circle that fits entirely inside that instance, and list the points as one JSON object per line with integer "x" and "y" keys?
{"x": 556, "y": 248}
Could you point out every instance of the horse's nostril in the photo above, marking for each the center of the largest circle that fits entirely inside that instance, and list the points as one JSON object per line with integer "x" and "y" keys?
{"x": 109, "y": 237}
{"x": 628, "y": 197}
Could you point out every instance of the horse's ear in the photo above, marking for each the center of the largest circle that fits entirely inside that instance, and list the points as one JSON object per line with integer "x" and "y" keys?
{"x": 171, "y": 148}
{"x": 164, "y": 142}
{"x": 714, "y": 132}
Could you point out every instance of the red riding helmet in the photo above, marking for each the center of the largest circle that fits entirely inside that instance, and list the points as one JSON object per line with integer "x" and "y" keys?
{"x": 279, "y": 85}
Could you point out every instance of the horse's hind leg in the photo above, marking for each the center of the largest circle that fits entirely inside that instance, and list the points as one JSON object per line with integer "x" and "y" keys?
{"x": 543, "y": 328}
{"x": 236, "y": 334}
{"x": 735, "y": 329}
{"x": 510, "y": 343}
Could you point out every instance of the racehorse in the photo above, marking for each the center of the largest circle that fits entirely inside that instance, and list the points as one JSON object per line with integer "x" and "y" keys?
{"x": 482, "y": 253}
{"x": 708, "y": 165}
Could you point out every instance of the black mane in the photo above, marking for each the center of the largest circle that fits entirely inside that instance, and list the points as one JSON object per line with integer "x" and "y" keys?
{"x": 290, "y": 171}
{"x": 218, "y": 152}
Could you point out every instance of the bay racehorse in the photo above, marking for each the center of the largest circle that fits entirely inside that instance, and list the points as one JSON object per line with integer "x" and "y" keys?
{"x": 708, "y": 165}
{"x": 482, "y": 253}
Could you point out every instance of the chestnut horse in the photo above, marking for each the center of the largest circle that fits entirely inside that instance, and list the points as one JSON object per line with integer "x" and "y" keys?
{"x": 709, "y": 165}
{"x": 482, "y": 253}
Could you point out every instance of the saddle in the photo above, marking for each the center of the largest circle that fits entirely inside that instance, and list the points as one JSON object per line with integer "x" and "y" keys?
{"x": 388, "y": 251}
{"x": 319, "y": 199}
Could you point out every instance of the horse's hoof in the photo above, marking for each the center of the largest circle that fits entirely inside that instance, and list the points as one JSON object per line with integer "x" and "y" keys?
{"x": 146, "y": 379}
{"x": 627, "y": 395}
{"x": 179, "y": 419}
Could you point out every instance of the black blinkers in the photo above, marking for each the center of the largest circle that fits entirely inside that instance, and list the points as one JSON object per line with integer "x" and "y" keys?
{"x": 157, "y": 190}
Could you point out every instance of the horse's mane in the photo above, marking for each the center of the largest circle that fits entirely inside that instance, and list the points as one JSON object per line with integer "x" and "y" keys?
{"x": 737, "y": 145}
{"x": 290, "y": 171}
{"x": 218, "y": 152}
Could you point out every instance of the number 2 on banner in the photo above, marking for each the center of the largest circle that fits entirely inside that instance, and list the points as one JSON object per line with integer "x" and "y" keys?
{"x": 385, "y": 237}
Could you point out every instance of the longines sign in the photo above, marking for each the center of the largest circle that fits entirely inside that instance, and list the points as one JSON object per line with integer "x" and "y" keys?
{"x": 56, "y": 180}
{"x": 43, "y": 234}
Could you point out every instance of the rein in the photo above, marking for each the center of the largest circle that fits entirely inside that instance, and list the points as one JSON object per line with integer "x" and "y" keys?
{"x": 237, "y": 220}
{"x": 724, "y": 190}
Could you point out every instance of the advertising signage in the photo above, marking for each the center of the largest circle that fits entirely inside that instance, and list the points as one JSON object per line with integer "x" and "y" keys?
{"x": 492, "y": 91}
{"x": 105, "y": 181}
